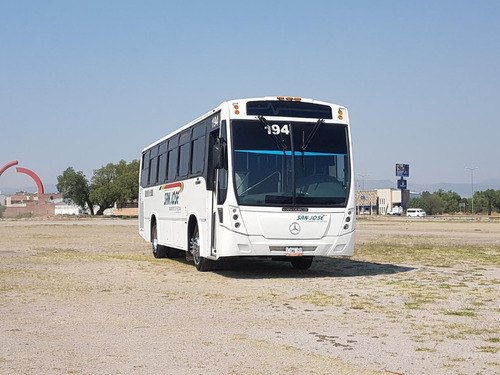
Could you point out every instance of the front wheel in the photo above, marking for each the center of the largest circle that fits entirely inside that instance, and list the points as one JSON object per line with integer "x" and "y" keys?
{"x": 201, "y": 263}
{"x": 302, "y": 263}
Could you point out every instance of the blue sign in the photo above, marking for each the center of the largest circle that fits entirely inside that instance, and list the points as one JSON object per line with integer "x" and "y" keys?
{"x": 402, "y": 170}
{"x": 402, "y": 184}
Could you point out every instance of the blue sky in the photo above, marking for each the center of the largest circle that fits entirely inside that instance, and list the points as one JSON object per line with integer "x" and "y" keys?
{"x": 86, "y": 83}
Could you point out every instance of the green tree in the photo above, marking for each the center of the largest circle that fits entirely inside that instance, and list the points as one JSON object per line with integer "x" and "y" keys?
{"x": 114, "y": 183}
{"x": 487, "y": 201}
{"x": 449, "y": 201}
{"x": 2, "y": 209}
{"x": 431, "y": 203}
{"x": 75, "y": 187}
{"x": 127, "y": 181}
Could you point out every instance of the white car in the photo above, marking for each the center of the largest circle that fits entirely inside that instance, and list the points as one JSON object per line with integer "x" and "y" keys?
{"x": 415, "y": 212}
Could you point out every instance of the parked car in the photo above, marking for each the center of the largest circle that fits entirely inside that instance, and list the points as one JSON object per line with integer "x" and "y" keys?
{"x": 415, "y": 212}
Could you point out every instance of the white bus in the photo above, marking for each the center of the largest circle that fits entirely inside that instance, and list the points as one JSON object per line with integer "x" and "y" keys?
{"x": 264, "y": 177}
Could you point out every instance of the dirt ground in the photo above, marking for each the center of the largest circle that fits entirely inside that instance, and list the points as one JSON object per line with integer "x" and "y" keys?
{"x": 85, "y": 296}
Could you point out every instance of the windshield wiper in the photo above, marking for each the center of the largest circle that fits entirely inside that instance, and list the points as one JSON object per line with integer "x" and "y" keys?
{"x": 279, "y": 141}
{"x": 305, "y": 144}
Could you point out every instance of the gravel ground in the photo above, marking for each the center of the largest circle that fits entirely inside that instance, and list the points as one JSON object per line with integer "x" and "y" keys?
{"x": 85, "y": 296}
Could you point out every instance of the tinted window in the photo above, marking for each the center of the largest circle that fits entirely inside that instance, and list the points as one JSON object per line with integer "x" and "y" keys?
{"x": 172, "y": 163}
{"x": 153, "y": 170}
{"x": 198, "y": 155}
{"x": 184, "y": 160}
{"x": 305, "y": 163}
{"x": 289, "y": 109}
{"x": 145, "y": 169}
{"x": 162, "y": 168}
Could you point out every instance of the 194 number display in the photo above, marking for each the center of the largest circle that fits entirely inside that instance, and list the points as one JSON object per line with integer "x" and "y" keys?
{"x": 277, "y": 129}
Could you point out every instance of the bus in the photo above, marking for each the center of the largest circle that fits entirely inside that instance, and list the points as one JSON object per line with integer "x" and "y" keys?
{"x": 264, "y": 177}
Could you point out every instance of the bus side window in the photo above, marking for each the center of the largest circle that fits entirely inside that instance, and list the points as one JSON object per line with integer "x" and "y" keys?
{"x": 173, "y": 156}
{"x": 162, "y": 163}
{"x": 184, "y": 160}
{"x": 197, "y": 155}
{"x": 145, "y": 169}
{"x": 153, "y": 166}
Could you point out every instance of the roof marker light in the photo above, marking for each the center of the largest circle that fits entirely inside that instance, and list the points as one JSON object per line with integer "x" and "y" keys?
{"x": 236, "y": 108}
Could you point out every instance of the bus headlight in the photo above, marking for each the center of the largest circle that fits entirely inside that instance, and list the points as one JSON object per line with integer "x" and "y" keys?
{"x": 236, "y": 220}
{"x": 349, "y": 222}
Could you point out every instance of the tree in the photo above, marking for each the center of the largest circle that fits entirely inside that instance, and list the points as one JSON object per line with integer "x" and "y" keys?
{"x": 114, "y": 183}
{"x": 487, "y": 200}
{"x": 127, "y": 181}
{"x": 449, "y": 201}
{"x": 75, "y": 187}
{"x": 430, "y": 203}
{"x": 2, "y": 209}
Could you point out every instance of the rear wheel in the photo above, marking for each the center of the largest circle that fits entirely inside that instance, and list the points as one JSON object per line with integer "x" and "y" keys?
{"x": 201, "y": 263}
{"x": 159, "y": 251}
{"x": 302, "y": 263}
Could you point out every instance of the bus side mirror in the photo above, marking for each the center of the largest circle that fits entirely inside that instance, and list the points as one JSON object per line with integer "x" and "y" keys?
{"x": 219, "y": 154}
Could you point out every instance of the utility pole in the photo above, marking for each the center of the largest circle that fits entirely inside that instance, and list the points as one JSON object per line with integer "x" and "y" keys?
{"x": 472, "y": 187}
{"x": 363, "y": 180}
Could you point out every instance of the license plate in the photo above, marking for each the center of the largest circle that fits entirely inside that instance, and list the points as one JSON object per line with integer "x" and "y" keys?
{"x": 293, "y": 251}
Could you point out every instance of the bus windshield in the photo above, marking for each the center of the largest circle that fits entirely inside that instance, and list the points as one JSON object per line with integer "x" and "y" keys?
{"x": 290, "y": 163}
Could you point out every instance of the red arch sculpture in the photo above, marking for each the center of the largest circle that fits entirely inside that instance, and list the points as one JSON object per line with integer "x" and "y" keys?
{"x": 7, "y": 166}
{"x": 32, "y": 174}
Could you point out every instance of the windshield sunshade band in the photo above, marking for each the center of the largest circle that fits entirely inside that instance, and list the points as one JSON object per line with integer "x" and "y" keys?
{"x": 289, "y": 153}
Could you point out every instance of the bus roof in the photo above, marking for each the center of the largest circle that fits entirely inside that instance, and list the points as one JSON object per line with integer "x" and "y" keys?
{"x": 237, "y": 105}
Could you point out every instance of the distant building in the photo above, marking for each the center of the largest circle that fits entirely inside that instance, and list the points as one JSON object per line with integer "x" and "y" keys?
{"x": 380, "y": 201}
{"x": 36, "y": 205}
{"x": 366, "y": 202}
{"x": 29, "y": 205}
{"x": 390, "y": 198}
{"x": 62, "y": 207}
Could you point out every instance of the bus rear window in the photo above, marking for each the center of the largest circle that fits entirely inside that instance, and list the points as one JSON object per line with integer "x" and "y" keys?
{"x": 289, "y": 109}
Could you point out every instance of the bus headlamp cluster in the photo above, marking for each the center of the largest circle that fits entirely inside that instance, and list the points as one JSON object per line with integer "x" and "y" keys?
{"x": 236, "y": 220}
{"x": 348, "y": 221}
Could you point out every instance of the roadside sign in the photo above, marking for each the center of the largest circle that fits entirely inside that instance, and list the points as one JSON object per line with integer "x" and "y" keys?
{"x": 402, "y": 170}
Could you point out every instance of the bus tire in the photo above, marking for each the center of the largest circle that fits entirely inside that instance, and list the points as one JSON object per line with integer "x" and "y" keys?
{"x": 159, "y": 251}
{"x": 302, "y": 263}
{"x": 202, "y": 264}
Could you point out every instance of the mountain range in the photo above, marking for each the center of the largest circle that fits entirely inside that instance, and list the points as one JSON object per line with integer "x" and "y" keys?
{"x": 463, "y": 189}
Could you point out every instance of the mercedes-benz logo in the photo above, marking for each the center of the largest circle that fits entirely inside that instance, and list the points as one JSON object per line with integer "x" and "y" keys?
{"x": 294, "y": 228}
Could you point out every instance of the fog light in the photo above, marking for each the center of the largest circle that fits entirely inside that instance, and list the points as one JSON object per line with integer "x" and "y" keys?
{"x": 236, "y": 225}
{"x": 346, "y": 227}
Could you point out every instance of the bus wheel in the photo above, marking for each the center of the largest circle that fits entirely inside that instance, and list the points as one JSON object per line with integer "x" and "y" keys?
{"x": 201, "y": 263}
{"x": 159, "y": 251}
{"x": 302, "y": 263}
